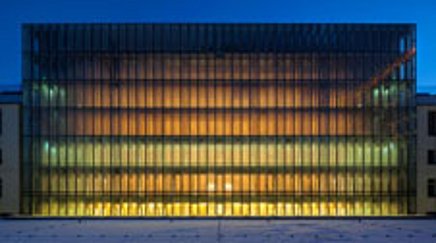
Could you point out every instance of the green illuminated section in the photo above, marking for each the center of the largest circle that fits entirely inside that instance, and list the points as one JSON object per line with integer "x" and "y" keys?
{"x": 238, "y": 153}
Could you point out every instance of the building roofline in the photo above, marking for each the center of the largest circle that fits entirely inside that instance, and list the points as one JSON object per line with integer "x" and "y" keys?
{"x": 26, "y": 24}
{"x": 425, "y": 99}
{"x": 11, "y": 97}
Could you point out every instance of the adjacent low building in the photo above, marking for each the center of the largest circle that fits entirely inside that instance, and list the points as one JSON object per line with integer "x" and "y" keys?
{"x": 426, "y": 154}
{"x": 10, "y": 152}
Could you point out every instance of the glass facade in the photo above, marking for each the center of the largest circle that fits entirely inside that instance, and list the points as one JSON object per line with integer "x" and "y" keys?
{"x": 219, "y": 119}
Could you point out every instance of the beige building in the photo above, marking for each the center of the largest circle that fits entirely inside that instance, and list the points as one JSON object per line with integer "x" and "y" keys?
{"x": 10, "y": 154}
{"x": 426, "y": 154}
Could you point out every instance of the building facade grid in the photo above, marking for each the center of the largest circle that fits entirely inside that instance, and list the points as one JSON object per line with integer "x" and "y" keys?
{"x": 219, "y": 119}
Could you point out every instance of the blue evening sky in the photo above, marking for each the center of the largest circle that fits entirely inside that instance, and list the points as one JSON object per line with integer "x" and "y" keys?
{"x": 15, "y": 12}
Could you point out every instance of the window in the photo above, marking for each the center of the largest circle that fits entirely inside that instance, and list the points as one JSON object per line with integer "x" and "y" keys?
{"x": 431, "y": 188}
{"x": 431, "y": 157}
{"x": 432, "y": 123}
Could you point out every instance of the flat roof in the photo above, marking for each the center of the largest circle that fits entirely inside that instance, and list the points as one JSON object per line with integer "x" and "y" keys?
{"x": 425, "y": 99}
{"x": 11, "y": 97}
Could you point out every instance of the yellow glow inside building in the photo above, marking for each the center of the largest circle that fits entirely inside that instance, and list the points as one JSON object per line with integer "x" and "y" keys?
{"x": 218, "y": 120}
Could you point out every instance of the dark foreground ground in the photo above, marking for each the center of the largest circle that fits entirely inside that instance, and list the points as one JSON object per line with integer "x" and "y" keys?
{"x": 218, "y": 230}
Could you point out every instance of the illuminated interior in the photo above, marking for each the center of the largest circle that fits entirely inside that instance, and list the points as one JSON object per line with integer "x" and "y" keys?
{"x": 189, "y": 120}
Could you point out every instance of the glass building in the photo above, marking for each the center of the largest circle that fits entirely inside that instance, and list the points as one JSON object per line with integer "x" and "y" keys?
{"x": 219, "y": 119}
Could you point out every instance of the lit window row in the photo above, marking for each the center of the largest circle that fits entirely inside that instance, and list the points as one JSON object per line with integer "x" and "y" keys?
{"x": 301, "y": 152}
{"x": 292, "y": 182}
{"x": 212, "y": 94}
{"x": 235, "y": 209}
{"x": 209, "y": 122}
